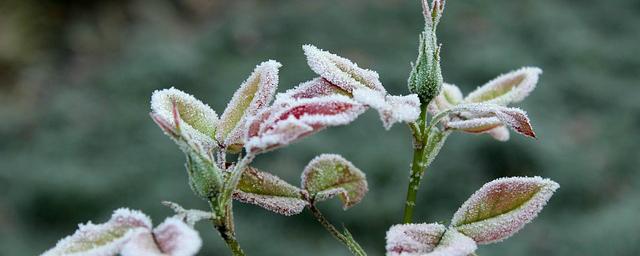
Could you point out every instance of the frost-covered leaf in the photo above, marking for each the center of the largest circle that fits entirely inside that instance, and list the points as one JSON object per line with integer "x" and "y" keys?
{"x": 196, "y": 121}
{"x": 481, "y": 117}
{"x": 507, "y": 88}
{"x": 449, "y": 97}
{"x": 103, "y": 239}
{"x": 502, "y": 207}
{"x": 270, "y": 192}
{"x": 392, "y": 109}
{"x": 428, "y": 240}
{"x": 171, "y": 238}
{"x": 317, "y": 87}
{"x": 290, "y": 120}
{"x": 500, "y": 133}
{"x": 330, "y": 175}
{"x": 253, "y": 95}
{"x": 341, "y": 71}
{"x": 190, "y": 216}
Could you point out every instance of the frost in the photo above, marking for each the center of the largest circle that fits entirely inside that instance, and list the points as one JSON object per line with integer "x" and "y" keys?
{"x": 482, "y": 117}
{"x": 502, "y": 207}
{"x": 129, "y": 233}
{"x": 500, "y": 133}
{"x": 507, "y": 88}
{"x": 290, "y": 120}
{"x": 196, "y": 120}
{"x": 191, "y": 216}
{"x": 449, "y": 97}
{"x": 315, "y": 88}
{"x": 427, "y": 240}
{"x": 253, "y": 95}
{"x": 341, "y": 71}
{"x": 392, "y": 109}
{"x": 330, "y": 175}
{"x": 270, "y": 192}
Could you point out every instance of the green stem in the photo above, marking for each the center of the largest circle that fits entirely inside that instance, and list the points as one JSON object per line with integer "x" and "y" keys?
{"x": 353, "y": 246}
{"x": 417, "y": 166}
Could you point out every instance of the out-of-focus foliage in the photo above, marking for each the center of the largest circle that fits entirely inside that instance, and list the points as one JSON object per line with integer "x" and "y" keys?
{"x": 76, "y": 140}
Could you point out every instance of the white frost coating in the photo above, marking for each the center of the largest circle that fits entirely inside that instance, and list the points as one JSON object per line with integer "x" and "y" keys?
{"x": 102, "y": 239}
{"x": 500, "y": 133}
{"x": 254, "y": 94}
{"x": 293, "y": 119}
{"x": 427, "y": 240}
{"x": 502, "y": 207}
{"x": 449, "y": 96}
{"x": 330, "y": 175}
{"x": 392, "y": 109}
{"x": 190, "y": 216}
{"x": 515, "y": 118}
{"x": 201, "y": 120}
{"x": 341, "y": 71}
{"x": 141, "y": 244}
{"x": 316, "y": 87}
{"x": 176, "y": 238}
{"x": 286, "y": 206}
{"x": 507, "y": 88}
{"x": 475, "y": 125}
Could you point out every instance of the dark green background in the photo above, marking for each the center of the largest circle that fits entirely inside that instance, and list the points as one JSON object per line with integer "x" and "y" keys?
{"x": 76, "y": 141}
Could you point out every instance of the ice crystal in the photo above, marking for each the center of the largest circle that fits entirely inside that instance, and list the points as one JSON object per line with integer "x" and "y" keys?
{"x": 502, "y": 207}
{"x": 341, "y": 71}
{"x": 508, "y": 88}
{"x": 196, "y": 120}
{"x": 330, "y": 175}
{"x": 427, "y": 240}
{"x": 270, "y": 192}
{"x": 253, "y": 95}
{"x": 129, "y": 233}
{"x": 289, "y": 120}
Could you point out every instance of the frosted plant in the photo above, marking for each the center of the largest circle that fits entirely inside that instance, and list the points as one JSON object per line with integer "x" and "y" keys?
{"x": 219, "y": 154}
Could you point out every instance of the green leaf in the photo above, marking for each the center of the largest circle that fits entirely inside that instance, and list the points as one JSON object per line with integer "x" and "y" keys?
{"x": 330, "y": 175}
{"x": 502, "y": 207}
{"x": 205, "y": 177}
{"x": 270, "y": 192}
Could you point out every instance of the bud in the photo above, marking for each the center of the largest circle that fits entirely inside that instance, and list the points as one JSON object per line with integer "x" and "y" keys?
{"x": 426, "y": 77}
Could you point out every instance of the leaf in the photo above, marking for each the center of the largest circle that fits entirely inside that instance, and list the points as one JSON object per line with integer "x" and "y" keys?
{"x": 341, "y": 71}
{"x": 291, "y": 120}
{"x": 428, "y": 240}
{"x": 481, "y": 117}
{"x": 196, "y": 121}
{"x": 270, "y": 192}
{"x": 191, "y": 216}
{"x": 103, "y": 239}
{"x": 507, "y": 88}
{"x": 449, "y": 97}
{"x": 315, "y": 88}
{"x": 392, "y": 109}
{"x": 502, "y": 207}
{"x": 330, "y": 175}
{"x": 253, "y": 95}
{"x": 172, "y": 237}
{"x": 500, "y": 133}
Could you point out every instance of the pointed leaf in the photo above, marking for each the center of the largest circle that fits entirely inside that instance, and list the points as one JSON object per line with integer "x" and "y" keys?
{"x": 502, "y": 207}
{"x": 317, "y": 87}
{"x": 330, "y": 175}
{"x": 196, "y": 121}
{"x": 427, "y": 240}
{"x": 103, "y": 239}
{"x": 392, "y": 109}
{"x": 291, "y": 120}
{"x": 270, "y": 192}
{"x": 507, "y": 88}
{"x": 253, "y": 95}
{"x": 481, "y": 117}
{"x": 341, "y": 71}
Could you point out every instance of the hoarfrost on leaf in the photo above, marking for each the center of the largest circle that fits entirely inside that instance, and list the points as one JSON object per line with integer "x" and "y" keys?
{"x": 482, "y": 117}
{"x": 196, "y": 120}
{"x": 449, "y": 97}
{"x": 290, "y": 120}
{"x": 270, "y": 192}
{"x": 191, "y": 216}
{"x": 502, "y": 207}
{"x": 330, "y": 175}
{"x": 508, "y": 88}
{"x": 341, "y": 71}
{"x": 253, "y": 95}
{"x": 427, "y": 240}
{"x": 392, "y": 109}
{"x": 317, "y": 87}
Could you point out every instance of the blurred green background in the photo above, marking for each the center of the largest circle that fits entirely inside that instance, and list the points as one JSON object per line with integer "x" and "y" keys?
{"x": 76, "y": 141}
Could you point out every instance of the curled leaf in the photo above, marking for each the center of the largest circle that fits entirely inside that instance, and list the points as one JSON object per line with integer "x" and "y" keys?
{"x": 171, "y": 238}
{"x": 270, "y": 192}
{"x": 195, "y": 120}
{"x": 502, "y": 207}
{"x": 287, "y": 121}
{"x": 427, "y": 240}
{"x": 507, "y": 88}
{"x": 392, "y": 109}
{"x": 330, "y": 175}
{"x": 481, "y": 117}
{"x": 253, "y": 95}
{"x": 341, "y": 71}
{"x": 317, "y": 87}
{"x": 103, "y": 239}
